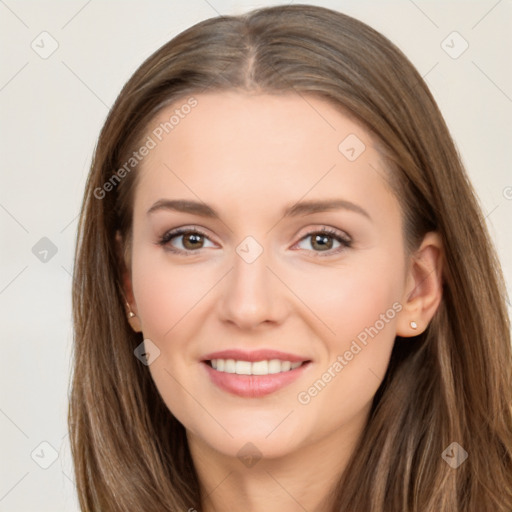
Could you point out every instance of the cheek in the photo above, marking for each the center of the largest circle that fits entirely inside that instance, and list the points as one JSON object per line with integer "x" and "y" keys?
{"x": 353, "y": 297}
{"x": 361, "y": 309}
{"x": 166, "y": 296}
{"x": 164, "y": 293}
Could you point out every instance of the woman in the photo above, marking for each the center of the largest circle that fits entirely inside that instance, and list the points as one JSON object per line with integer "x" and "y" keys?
{"x": 285, "y": 297}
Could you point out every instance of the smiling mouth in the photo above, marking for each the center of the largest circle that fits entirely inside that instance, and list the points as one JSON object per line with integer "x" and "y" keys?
{"x": 264, "y": 367}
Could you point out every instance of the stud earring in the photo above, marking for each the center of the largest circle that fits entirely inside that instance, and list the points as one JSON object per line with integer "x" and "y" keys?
{"x": 131, "y": 314}
{"x": 413, "y": 324}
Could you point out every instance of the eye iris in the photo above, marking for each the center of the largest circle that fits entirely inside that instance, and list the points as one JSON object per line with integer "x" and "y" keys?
{"x": 192, "y": 240}
{"x": 194, "y": 237}
{"x": 323, "y": 240}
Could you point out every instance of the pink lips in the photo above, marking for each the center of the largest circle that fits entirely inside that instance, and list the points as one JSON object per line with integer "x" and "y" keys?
{"x": 253, "y": 386}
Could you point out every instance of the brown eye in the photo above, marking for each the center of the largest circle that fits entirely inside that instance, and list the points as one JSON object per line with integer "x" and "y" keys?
{"x": 322, "y": 241}
{"x": 191, "y": 241}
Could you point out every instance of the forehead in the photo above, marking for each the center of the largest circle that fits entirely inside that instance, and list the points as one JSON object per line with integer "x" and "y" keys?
{"x": 271, "y": 147}
{"x": 227, "y": 124}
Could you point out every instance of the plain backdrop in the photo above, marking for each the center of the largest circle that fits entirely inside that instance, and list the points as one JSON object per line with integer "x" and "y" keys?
{"x": 63, "y": 64}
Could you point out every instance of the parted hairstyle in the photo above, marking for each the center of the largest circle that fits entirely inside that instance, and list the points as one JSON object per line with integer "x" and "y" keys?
{"x": 452, "y": 383}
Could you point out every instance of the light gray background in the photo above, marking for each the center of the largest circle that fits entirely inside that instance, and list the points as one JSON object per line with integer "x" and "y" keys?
{"x": 52, "y": 110}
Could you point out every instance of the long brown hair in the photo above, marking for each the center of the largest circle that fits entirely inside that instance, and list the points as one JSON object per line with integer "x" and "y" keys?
{"x": 452, "y": 383}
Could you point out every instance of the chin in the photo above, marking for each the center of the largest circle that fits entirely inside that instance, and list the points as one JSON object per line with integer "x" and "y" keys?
{"x": 252, "y": 437}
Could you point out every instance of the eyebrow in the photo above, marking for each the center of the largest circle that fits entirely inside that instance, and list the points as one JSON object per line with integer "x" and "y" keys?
{"x": 300, "y": 208}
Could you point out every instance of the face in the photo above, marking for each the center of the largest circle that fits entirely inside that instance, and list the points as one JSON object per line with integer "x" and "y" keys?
{"x": 294, "y": 304}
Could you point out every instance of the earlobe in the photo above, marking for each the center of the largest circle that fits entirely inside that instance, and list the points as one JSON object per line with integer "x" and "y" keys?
{"x": 133, "y": 319}
{"x": 127, "y": 289}
{"x": 424, "y": 287}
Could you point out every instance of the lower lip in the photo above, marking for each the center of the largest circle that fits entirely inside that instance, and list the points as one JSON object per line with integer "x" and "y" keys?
{"x": 253, "y": 386}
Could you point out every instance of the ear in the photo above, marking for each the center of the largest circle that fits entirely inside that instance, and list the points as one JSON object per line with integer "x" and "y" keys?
{"x": 424, "y": 287}
{"x": 126, "y": 279}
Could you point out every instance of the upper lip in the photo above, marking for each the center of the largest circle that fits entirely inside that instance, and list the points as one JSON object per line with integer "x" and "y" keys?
{"x": 255, "y": 355}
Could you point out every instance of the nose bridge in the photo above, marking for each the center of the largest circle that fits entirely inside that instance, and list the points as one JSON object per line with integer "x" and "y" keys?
{"x": 250, "y": 293}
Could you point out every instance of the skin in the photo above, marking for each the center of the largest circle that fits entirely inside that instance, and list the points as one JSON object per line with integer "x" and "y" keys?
{"x": 250, "y": 156}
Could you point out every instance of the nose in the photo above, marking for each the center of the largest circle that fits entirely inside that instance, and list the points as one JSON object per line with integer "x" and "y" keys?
{"x": 252, "y": 295}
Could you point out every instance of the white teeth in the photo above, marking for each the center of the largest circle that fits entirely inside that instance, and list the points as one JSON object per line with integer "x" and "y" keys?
{"x": 229, "y": 365}
{"x": 243, "y": 368}
{"x": 267, "y": 367}
{"x": 274, "y": 366}
{"x": 259, "y": 368}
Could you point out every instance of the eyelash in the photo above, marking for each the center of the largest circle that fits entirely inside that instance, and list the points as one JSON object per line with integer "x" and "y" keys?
{"x": 345, "y": 241}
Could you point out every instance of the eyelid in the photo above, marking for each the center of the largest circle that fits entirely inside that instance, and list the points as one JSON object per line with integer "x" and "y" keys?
{"x": 334, "y": 232}
{"x": 342, "y": 237}
{"x": 170, "y": 234}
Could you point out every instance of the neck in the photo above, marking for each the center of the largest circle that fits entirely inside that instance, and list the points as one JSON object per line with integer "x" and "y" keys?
{"x": 299, "y": 481}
